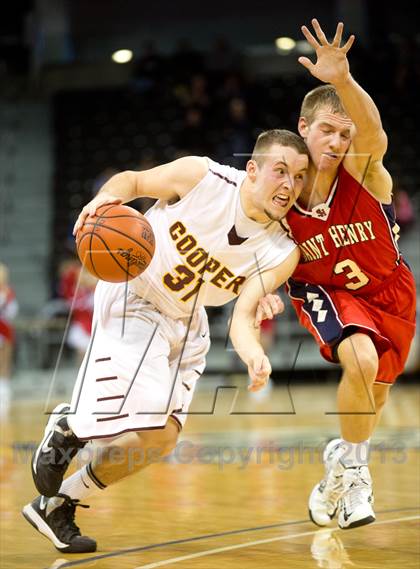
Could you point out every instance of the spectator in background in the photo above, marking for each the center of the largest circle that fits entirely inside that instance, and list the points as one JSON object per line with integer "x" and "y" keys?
{"x": 192, "y": 136}
{"x": 8, "y": 311}
{"x": 404, "y": 209}
{"x": 237, "y": 136}
{"x": 185, "y": 61}
{"x": 407, "y": 65}
{"x": 194, "y": 94}
{"x": 68, "y": 271}
{"x": 232, "y": 87}
{"x": 77, "y": 288}
{"x": 199, "y": 96}
{"x": 222, "y": 59}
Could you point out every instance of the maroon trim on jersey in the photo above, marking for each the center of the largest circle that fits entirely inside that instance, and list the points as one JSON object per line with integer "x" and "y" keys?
{"x": 223, "y": 177}
{"x": 286, "y": 228}
{"x": 111, "y": 397}
{"x": 234, "y": 238}
{"x": 112, "y": 418}
{"x": 108, "y": 378}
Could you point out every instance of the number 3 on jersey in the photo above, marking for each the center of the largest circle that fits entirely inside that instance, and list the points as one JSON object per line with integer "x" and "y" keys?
{"x": 354, "y": 274}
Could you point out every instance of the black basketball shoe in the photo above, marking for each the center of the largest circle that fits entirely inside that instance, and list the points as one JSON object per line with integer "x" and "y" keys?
{"x": 54, "y": 453}
{"x": 57, "y": 524}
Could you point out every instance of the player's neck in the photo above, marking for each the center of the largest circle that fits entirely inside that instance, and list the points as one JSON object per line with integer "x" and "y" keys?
{"x": 250, "y": 210}
{"x": 317, "y": 188}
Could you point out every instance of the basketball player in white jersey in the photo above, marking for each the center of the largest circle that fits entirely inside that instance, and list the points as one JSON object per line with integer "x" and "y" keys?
{"x": 217, "y": 239}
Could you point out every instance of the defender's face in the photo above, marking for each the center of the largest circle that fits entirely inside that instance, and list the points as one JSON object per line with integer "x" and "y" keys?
{"x": 279, "y": 180}
{"x": 328, "y": 138}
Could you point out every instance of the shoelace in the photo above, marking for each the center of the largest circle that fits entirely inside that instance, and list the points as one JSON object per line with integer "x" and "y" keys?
{"x": 333, "y": 490}
{"x": 67, "y": 512}
{"x": 354, "y": 493}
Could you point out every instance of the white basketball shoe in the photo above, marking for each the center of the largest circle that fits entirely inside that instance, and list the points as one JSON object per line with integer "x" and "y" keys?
{"x": 355, "y": 507}
{"x": 324, "y": 498}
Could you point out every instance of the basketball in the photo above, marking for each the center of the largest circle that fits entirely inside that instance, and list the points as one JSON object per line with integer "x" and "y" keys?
{"x": 116, "y": 244}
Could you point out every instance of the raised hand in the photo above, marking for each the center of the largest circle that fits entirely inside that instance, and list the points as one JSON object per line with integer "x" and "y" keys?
{"x": 331, "y": 65}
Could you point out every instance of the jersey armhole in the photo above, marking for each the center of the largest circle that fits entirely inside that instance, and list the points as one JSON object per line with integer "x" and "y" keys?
{"x": 365, "y": 188}
{"x": 193, "y": 189}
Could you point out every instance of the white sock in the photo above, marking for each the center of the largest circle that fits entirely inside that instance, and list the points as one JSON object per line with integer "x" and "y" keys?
{"x": 80, "y": 484}
{"x": 77, "y": 486}
{"x": 355, "y": 454}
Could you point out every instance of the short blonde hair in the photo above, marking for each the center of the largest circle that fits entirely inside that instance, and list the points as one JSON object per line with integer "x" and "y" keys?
{"x": 322, "y": 96}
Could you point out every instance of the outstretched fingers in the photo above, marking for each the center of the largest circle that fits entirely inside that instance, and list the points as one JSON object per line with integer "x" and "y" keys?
{"x": 310, "y": 38}
{"x": 306, "y": 63}
{"x": 348, "y": 43}
{"x": 321, "y": 39}
{"x": 319, "y": 32}
{"x": 338, "y": 35}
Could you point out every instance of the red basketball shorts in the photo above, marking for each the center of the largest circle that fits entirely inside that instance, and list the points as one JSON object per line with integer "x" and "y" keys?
{"x": 388, "y": 316}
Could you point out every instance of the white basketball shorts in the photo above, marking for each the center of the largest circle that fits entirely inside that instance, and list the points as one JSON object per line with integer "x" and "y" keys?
{"x": 140, "y": 366}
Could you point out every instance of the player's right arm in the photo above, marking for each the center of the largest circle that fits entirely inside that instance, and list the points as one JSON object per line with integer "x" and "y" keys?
{"x": 169, "y": 182}
{"x": 244, "y": 333}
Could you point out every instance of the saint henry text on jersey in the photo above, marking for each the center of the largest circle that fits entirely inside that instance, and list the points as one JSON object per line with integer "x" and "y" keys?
{"x": 341, "y": 235}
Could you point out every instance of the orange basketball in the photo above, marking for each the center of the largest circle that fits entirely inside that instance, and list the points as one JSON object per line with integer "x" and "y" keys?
{"x": 116, "y": 244}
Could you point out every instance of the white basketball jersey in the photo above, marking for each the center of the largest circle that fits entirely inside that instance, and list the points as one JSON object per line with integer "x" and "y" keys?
{"x": 206, "y": 247}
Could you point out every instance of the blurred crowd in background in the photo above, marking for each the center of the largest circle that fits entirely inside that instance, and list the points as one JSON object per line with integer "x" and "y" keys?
{"x": 199, "y": 103}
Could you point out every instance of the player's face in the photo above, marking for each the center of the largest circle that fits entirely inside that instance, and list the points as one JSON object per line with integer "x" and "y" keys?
{"x": 328, "y": 138}
{"x": 279, "y": 181}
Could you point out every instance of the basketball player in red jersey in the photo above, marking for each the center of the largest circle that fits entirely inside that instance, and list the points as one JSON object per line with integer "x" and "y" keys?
{"x": 352, "y": 290}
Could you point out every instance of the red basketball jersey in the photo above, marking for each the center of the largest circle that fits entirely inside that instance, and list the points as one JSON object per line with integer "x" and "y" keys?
{"x": 349, "y": 242}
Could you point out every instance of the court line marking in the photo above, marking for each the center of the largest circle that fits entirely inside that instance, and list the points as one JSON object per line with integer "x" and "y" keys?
{"x": 251, "y": 543}
{"x": 206, "y": 536}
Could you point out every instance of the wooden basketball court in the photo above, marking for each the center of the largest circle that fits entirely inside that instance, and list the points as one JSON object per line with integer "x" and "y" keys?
{"x": 233, "y": 496}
